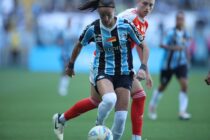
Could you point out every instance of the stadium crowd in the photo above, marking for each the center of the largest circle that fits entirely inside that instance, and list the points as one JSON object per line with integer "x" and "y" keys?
{"x": 23, "y": 25}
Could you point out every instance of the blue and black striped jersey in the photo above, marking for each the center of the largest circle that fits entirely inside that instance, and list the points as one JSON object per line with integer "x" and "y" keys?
{"x": 113, "y": 46}
{"x": 173, "y": 59}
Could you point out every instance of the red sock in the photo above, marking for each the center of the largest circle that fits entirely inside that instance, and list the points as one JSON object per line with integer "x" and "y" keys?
{"x": 137, "y": 111}
{"x": 80, "y": 107}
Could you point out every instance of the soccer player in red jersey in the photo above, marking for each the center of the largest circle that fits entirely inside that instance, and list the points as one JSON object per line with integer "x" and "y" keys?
{"x": 137, "y": 16}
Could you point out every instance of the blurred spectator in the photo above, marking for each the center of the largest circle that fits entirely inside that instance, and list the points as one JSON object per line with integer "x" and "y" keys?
{"x": 15, "y": 45}
{"x": 47, "y": 19}
{"x": 66, "y": 40}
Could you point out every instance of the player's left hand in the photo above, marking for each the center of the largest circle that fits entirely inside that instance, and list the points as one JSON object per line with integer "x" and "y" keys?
{"x": 149, "y": 82}
{"x": 141, "y": 75}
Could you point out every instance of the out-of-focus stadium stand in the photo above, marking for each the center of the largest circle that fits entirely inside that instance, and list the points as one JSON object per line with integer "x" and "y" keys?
{"x": 29, "y": 30}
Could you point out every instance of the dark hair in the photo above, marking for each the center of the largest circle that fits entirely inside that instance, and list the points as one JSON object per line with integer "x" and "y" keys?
{"x": 92, "y": 5}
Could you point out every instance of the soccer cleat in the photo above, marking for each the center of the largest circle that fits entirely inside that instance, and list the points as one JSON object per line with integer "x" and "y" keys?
{"x": 152, "y": 113}
{"x": 185, "y": 116}
{"x": 58, "y": 127}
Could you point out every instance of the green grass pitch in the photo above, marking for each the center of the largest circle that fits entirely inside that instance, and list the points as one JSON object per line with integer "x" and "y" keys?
{"x": 28, "y": 101}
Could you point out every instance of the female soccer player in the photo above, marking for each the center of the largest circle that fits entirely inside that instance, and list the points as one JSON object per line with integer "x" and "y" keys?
{"x": 175, "y": 62}
{"x": 112, "y": 65}
{"x": 135, "y": 15}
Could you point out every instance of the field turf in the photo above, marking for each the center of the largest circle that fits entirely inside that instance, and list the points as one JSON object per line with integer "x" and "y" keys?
{"x": 28, "y": 101}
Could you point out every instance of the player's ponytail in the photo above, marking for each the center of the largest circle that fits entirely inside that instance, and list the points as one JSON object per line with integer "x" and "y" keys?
{"x": 92, "y": 5}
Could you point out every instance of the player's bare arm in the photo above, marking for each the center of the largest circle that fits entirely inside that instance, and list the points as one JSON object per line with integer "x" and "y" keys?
{"x": 70, "y": 68}
{"x": 145, "y": 56}
{"x": 149, "y": 82}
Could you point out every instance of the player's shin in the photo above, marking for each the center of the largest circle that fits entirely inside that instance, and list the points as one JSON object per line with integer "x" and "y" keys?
{"x": 156, "y": 97}
{"x": 63, "y": 86}
{"x": 105, "y": 107}
{"x": 137, "y": 111}
{"x": 80, "y": 107}
{"x": 183, "y": 104}
{"x": 119, "y": 124}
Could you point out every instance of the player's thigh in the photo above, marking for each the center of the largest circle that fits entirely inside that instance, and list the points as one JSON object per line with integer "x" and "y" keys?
{"x": 182, "y": 75}
{"x": 136, "y": 86}
{"x": 123, "y": 97}
{"x": 122, "y": 85}
{"x": 165, "y": 77}
{"x": 94, "y": 94}
{"x": 104, "y": 86}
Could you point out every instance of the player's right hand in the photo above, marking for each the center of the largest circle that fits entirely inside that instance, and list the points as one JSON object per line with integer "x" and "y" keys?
{"x": 70, "y": 72}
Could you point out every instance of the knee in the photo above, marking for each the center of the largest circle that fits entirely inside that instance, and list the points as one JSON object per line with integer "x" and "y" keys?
{"x": 161, "y": 88}
{"x": 110, "y": 99}
{"x": 184, "y": 89}
{"x": 95, "y": 101}
{"x": 139, "y": 94}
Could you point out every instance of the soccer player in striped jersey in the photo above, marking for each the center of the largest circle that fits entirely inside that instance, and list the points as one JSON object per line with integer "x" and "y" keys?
{"x": 137, "y": 16}
{"x": 113, "y": 66}
{"x": 175, "y": 62}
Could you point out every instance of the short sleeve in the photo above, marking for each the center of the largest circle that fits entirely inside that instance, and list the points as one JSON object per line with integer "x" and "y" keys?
{"x": 187, "y": 38}
{"x": 134, "y": 34}
{"x": 167, "y": 38}
{"x": 87, "y": 36}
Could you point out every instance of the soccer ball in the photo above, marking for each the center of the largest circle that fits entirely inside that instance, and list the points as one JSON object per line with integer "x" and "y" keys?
{"x": 100, "y": 133}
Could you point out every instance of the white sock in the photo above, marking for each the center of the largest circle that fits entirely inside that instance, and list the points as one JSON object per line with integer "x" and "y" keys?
{"x": 119, "y": 124}
{"x": 63, "y": 86}
{"x": 105, "y": 107}
{"x": 183, "y": 102}
{"x": 156, "y": 96}
{"x": 136, "y": 137}
{"x": 62, "y": 119}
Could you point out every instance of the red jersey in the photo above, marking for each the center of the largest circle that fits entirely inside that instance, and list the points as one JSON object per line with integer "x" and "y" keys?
{"x": 132, "y": 16}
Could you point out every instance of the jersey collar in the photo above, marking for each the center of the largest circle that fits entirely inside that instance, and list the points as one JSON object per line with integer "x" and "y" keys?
{"x": 109, "y": 29}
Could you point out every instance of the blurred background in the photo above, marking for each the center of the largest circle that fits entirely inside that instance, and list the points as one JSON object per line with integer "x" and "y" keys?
{"x": 33, "y": 34}
{"x": 30, "y": 31}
